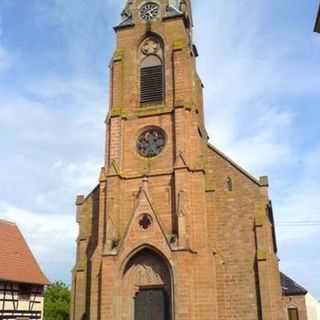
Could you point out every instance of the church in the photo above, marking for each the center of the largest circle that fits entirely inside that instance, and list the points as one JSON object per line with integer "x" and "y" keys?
{"x": 174, "y": 230}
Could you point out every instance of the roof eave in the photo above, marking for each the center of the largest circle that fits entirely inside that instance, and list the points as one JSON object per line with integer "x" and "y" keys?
{"x": 293, "y": 294}
{"x": 45, "y": 282}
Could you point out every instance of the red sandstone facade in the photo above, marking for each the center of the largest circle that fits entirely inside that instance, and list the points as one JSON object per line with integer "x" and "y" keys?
{"x": 186, "y": 227}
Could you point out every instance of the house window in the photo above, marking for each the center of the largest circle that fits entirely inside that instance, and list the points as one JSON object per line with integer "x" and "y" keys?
{"x": 25, "y": 291}
{"x": 293, "y": 314}
{"x": 151, "y": 80}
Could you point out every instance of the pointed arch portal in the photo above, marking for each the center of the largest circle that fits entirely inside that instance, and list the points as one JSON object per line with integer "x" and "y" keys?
{"x": 147, "y": 285}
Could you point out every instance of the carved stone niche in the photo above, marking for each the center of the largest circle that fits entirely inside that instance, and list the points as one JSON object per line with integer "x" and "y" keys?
{"x": 145, "y": 270}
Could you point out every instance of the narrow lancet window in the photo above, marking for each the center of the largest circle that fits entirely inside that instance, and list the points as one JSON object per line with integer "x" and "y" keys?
{"x": 229, "y": 184}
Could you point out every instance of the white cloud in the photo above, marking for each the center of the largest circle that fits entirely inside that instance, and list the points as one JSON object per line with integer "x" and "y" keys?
{"x": 263, "y": 146}
{"x": 241, "y": 82}
{"x": 252, "y": 79}
{"x": 51, "y": 156}
{"x": 59, "y": 149}
{"x": 78, "y": 175}
{"x": 50, "y": 237}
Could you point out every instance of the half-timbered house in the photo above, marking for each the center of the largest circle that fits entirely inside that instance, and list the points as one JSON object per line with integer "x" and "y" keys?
{"x": 21, "y": 280}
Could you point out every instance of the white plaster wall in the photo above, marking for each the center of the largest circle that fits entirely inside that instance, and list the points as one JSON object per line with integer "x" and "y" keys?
{"x": 313, "y": 307}
{"x": 23, "y": 303}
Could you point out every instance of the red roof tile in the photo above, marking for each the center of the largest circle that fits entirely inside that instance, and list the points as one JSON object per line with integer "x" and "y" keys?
{"x": 17, "y": 263}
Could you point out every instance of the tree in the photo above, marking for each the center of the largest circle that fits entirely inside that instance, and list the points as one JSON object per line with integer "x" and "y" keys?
{"x": 57, "y": 302}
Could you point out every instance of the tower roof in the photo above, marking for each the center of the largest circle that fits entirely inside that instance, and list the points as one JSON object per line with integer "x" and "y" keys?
{"x": 17, "y": 263}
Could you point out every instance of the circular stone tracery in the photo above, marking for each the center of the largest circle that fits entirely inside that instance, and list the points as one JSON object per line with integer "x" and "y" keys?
{"x": 151, "y": 142}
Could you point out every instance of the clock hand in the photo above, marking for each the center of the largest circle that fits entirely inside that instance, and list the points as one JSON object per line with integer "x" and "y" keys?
{"x": 149, "y": 12}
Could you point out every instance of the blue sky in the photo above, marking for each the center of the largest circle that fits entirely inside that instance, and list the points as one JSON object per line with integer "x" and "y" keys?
{"x": 259, "y": 61}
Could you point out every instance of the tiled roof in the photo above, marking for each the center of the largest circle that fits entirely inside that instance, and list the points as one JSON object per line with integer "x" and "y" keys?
{"x": 17, "y": 263}
{"x": 290, "y": 287}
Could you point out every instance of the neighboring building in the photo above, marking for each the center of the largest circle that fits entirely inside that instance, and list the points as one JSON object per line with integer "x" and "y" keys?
{"x": 21, "y": 279}
{"x": 300, "y": 304}
{"x": 313, "y": 307}
{"x": 294, "y": 298}
{"x": 174, "y": 229}
{"x": 317, "y": 26}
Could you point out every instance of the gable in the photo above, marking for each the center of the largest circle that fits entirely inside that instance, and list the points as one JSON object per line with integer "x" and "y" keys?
{"x": 229, "y": 163}
{"x": 145, "y": 225}
{"x": 17, "y": 263}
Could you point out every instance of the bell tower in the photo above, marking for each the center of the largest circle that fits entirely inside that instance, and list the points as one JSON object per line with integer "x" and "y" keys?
{"x": 174, "y": 230}
{"x": 155, "y": 123}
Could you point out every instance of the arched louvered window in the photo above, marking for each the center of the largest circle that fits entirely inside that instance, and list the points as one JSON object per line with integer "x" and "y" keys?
{"x": 151, "y": 79}
{"x": 151, "y": 72}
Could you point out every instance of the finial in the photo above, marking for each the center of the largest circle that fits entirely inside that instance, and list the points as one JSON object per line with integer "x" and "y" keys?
{"x": 145, "y": 182}
{"x": 264, "y": 181}
{"x": 144, "y": 189}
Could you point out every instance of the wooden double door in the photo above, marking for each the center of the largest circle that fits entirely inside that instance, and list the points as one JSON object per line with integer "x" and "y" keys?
{"x": 152, "y": 304}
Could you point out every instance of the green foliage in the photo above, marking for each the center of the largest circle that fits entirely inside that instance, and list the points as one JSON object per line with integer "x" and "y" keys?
{"x": 57, "y": 302}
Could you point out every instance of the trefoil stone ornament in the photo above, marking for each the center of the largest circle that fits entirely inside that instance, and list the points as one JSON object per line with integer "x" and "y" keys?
{"x": 150, "y": 46}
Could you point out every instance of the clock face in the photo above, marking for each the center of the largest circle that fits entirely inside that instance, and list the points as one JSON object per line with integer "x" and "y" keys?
{"x": 151, "y": 142}
{"x": 149, "y": 11}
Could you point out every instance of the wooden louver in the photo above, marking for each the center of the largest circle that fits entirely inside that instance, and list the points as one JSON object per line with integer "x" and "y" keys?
{"x": 151, "y": 84}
